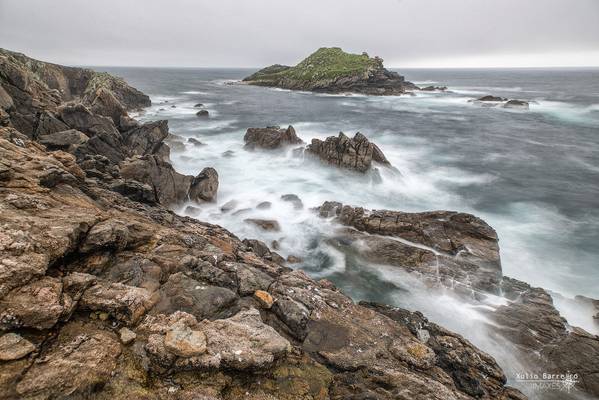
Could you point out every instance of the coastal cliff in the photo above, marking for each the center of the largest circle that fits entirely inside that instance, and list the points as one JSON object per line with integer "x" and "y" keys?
{"x": 107, "y": 294}
{"x": 331, "y": 70}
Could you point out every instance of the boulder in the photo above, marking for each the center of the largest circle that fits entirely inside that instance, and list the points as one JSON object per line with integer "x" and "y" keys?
{"x": 242, "y": 342}
{"x": 356, "y": 154}
{"x": 195, "y": 142}
{"x": 264, "y": 224}
{"x": 37, "y": 305}
{"x": 270, "y": 138}
{"x": 491, "y": 98}
{"x": 204, "y": 187}
{"x": 79, "y": 117}
{"x": 170, "y": 186}
{"x": 203, "y": 114}
{"x": 182, "y": 293}
{"x": 123, "y": 302}
{"x": 14, "y": 346}
{"x": 294, "y": 200}
{"x": 146, "y": 138}
{"x": 64, "y": 140}
{"x": 184, "y": 342}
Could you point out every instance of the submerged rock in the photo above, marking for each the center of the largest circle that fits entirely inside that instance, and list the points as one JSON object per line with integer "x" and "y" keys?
{"x": 270, "y": 138}
{"x": 356, "y": 154}
{"x": 264, "y": 224}
{"x": 516, "y": 104}
{"x": 491, "y": 98}
{"x": 294, "y": 200}
{"x": 203, "y": 114}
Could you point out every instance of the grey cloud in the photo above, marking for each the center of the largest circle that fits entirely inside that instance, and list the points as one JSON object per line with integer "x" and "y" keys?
{"x": 259, "y": 32}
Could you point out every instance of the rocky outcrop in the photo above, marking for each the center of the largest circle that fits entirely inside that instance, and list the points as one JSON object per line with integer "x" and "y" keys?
{"x": 204, "y": 186}
{"x": 549, "y": 345}
{"x": 356, "y": 153}
{"x": 445, "y": 247}
{"x": 81, "y": 262}
{"x": 332, "y": 70}
{"x": 84, "y": 113}
{"x": 492, "y": 101}
{"x": 271, "y": 137}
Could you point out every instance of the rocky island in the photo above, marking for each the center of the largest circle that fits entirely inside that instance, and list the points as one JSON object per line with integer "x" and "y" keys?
{"x": 331, "y": 70}
{"x": 105, "y": 293}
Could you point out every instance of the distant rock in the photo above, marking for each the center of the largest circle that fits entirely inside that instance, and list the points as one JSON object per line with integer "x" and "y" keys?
{"x": 195, "y": 142}
{"x": 516, "y": 104}
{"x": 199, "y": 105}
{"x": 270, "y": 138}
{"x": 264, "y": 224}
{"x": 491, "y": 98}
{"x": 332, "y": 70}
{"x": 265, "y": 205}
{"x": 228, "y": 154}
{"x": 356, "y": 153}
{"x": 434, "y": 88}
{"x": 294, "y": 200}
{"x": 229, "y": 206}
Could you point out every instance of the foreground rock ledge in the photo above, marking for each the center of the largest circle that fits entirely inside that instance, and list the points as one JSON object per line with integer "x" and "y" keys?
{"x": 80, "y": 261}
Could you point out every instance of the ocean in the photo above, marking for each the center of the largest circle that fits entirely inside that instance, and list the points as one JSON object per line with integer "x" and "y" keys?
{"x": 533, "y": 175}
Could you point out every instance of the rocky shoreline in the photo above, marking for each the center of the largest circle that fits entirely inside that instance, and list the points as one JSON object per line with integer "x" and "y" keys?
{"x": 106, "y": 293}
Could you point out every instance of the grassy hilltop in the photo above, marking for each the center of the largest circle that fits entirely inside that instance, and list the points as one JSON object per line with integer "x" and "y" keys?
{"x": 330, "y": 69}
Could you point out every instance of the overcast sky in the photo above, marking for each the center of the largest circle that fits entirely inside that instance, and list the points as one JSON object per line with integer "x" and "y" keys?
{"x": 252, "y": 33}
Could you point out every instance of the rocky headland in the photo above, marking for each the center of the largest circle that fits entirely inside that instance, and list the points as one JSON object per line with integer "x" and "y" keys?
{"x": 331, "y": 70}
{"x": 107, "y": 294}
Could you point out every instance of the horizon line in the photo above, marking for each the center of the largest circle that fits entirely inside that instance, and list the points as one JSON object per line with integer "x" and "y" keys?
{"x": 389, "y": 67}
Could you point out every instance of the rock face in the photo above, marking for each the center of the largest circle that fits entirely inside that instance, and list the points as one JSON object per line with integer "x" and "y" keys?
{"x": 446, "y": 247}
{"x": 85, "y": 113}
{"x": 270, "y": 138}
{"x": 356, "y": 153}
{"x": 332, "y": 70}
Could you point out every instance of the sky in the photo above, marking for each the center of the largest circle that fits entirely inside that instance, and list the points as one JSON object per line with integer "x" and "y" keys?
{"x": 254, "y": 33}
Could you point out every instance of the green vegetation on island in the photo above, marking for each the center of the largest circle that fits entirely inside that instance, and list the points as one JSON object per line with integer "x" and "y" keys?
{"x": 333, "y": 70}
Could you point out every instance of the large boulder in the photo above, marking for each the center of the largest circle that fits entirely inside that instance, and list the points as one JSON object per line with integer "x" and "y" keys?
{"x": 146, "y": 138}
{"x": 170, "y": 186}
{"x": 356, "y": 154}
{"x": 204, "y": 186}
{"x": 270, "y": 138}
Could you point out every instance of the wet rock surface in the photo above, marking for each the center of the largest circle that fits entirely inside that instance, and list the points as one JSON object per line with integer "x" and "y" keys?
{"x": 446, "y": 247}
{"x": 356, "y": 153}
{"x": 270, "y": 138}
